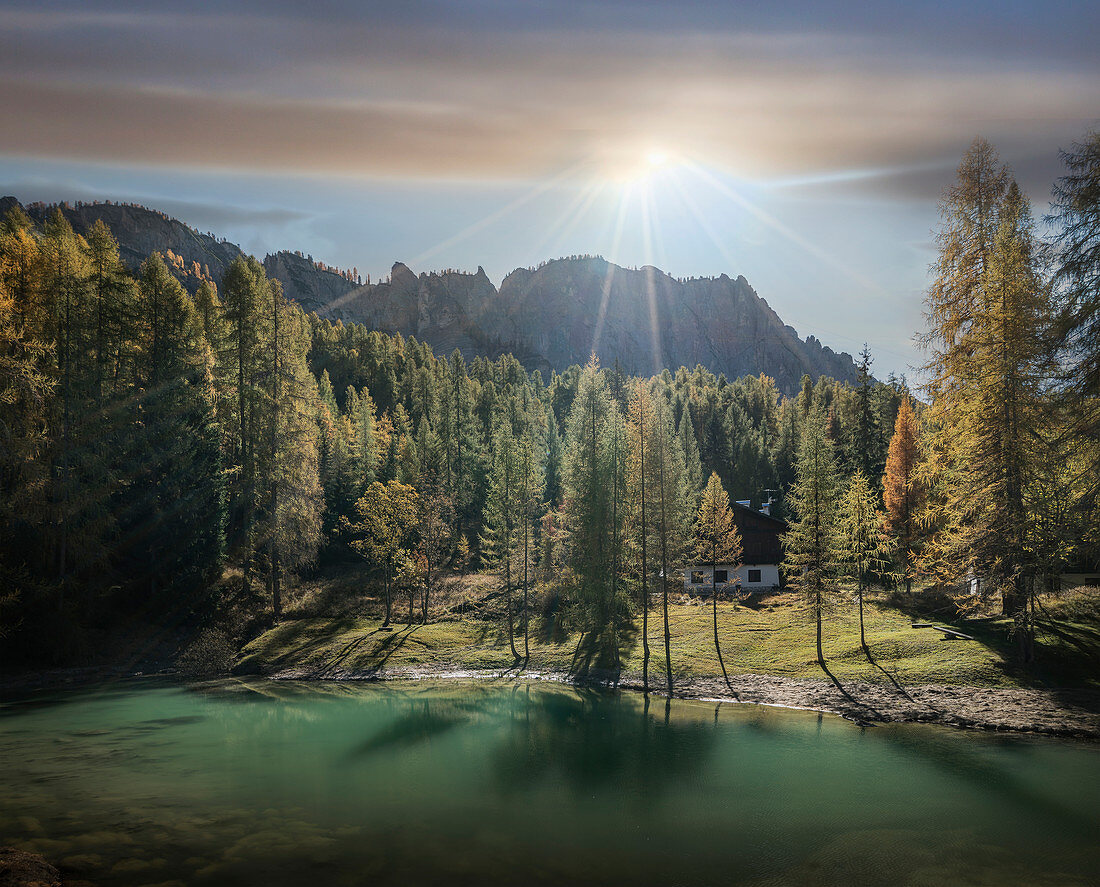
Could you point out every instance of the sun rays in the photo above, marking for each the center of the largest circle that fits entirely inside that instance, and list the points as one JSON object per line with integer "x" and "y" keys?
{"x": 625, "y": 207}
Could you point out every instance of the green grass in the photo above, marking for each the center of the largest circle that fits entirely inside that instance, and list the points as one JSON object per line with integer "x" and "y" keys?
{"x": 774, "y": 637}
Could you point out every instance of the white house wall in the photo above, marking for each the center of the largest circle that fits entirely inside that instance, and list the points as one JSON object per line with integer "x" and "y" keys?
{"x": 769, "y": 576}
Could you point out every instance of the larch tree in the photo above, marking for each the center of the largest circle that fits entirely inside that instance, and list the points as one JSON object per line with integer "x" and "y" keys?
{"x": 175, "y": 519}
{"x": 988, "y": 310}
{"x": 903, "y": 491}
{"x": 860, "y": 539}
{"x": 717, "y": 541}
{"x": 640, "y": 415}
{"x": 294, "y": 502}
{"x": 593, "y": 466}
{"x": 674, "y": 500}
{"x": 810, "y": 544}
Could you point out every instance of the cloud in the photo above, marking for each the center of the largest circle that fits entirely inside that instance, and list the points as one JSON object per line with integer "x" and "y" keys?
{"x": 489, "y": 89}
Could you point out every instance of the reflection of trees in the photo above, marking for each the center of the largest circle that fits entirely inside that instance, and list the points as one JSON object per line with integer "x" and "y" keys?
{"x": 953, "y": 755}
{"x": 586, "y": 738}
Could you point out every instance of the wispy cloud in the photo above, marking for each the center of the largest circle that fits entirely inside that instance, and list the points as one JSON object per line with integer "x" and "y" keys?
{"x": 437, "y": 90}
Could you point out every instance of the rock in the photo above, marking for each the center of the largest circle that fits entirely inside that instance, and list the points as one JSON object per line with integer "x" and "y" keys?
{"x": 18, "y": 868}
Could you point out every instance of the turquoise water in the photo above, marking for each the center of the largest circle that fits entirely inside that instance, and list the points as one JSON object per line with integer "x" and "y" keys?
{"x": 472, "y": 783}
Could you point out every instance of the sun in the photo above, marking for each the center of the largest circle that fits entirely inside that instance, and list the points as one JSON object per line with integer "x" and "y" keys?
{"x": 656, "y": 158}
{"x": 643, "y": 166}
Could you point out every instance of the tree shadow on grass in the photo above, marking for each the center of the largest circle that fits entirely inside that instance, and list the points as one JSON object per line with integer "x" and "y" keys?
{"x": 599, "y": 653}
{"x": 893, "y": 680}
{"x": 861, "y": 711}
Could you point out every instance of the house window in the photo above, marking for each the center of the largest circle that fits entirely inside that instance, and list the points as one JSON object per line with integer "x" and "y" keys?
{"x": 754, "y": 576}
{"x": 721, "y": 576}
{"x": 696, "y": 577}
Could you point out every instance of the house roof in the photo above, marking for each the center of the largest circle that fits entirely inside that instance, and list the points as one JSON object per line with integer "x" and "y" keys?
{"x": 780, "y": 525}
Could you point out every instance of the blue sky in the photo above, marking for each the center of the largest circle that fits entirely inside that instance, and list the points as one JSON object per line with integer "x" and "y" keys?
{"x": 804, "y": 147}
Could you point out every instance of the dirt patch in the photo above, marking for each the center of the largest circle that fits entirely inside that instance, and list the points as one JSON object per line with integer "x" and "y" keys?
{"x": 1066, "y": 713}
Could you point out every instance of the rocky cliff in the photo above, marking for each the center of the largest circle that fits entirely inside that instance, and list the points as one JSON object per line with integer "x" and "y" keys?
{"x": 550, "y": 317}
{"x": 559, "y": 313}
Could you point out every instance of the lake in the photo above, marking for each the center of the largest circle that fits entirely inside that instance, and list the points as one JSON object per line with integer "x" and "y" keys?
{"x": 260, "y": 782}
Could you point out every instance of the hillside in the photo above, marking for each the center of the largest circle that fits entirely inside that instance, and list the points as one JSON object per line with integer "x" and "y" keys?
{"x": 550, "y": 317}
{"x": 194, "y": 256}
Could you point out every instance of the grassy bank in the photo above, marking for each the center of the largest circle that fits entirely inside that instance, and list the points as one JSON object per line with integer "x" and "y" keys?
{"x": 772, "y": 636}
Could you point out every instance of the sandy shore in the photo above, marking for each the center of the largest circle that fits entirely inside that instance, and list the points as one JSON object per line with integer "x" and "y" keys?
{"x": 1072, "y": 713}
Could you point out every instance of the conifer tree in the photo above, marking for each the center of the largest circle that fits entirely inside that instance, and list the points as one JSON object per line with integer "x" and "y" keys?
{"x": 530, "y": 489}
{"x": 498, "y": 537}
{"x": 175, "y": 515}
{"x": 717, "y": 541}
{"x": 690, "y": 448}
{"x": 903, "y": 491}
{"x": 112, "y": 295}
{"x": 1076, "y": 212}
{"x": 594, "y": 466}
{"x": 865, "y": 435}
{"x": 674, "y": 506}
{"x": 810, "y": 544}
{"x": 640, "y": 413}
{"x": 859, "y": 539}
{"x": 987, "y": 308}
{"x": 294, "y": 500}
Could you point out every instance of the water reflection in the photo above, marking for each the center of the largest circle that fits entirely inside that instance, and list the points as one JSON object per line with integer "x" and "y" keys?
{"x": 244, "y": 782}
{"x": 588, "y": 740}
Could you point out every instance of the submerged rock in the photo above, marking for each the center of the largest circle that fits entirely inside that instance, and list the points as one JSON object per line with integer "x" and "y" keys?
{"x": 18, "y": 868}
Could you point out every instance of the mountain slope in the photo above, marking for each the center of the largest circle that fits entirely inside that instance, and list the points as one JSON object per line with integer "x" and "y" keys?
{"x": 192, "y": 255}
{"x": 550, "y": 317}
{"x": 558, "y": 314}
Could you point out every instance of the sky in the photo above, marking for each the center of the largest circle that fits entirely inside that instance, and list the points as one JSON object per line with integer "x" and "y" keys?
{"x": 803, "y": 145}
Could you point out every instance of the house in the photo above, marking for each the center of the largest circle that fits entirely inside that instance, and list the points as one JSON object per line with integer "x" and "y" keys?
{"x": 762, "y": 553}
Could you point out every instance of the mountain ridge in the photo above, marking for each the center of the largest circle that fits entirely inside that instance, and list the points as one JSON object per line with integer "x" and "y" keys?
{"x": 550, "y": 316}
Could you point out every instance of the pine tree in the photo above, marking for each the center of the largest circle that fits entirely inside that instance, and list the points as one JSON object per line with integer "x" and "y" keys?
{"x": 717, "y": 541}
{"x": 811, "y": 556}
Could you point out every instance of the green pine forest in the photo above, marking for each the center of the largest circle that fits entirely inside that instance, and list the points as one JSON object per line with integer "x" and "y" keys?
{"x": 162, "y": 453}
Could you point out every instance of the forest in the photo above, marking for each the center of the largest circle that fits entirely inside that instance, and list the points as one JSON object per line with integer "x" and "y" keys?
{"x": 158, "y": 450}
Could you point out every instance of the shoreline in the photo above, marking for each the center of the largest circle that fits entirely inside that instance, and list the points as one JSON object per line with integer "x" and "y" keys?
{"x": 1071, "y": 713}
{"x": 1068, "y": 713}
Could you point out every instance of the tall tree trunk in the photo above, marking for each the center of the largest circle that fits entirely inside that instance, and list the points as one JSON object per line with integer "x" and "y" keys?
{"x": 386, "y": 588}
{"x": 817, "y": 610}
{"x": 508, "y": 598}
{"x": 862, "y": 637}
{"x": 714, "y": 601}
{"x": 273, "y": 529}
{"x": 526, "y": 523}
